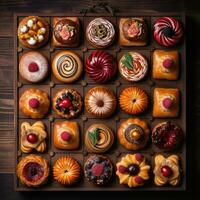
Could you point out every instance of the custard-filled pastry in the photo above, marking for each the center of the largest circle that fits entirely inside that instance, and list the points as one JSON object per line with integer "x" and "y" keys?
{"x": 165, "y": 64}
{"x": 133, "y": 170}
{"x": 33, "y": 171}
{"x": 33, "y": 137}
{"x": 167, "y": 170}
{"x": 133, "y": 32}
{"x": 66, "y": 135}
{"x": 34, "y": 103}
{"x": 66, "y": 31}
{"x": 166, "y": 102}
{"x": 133, "y": 134}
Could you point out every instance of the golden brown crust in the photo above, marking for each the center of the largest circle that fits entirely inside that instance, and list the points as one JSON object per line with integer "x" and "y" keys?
{"x": 159, "y": 95}
{"x": 66, "y": 170}
{"x": 133, "y": 100}
{"x": 133, "y": 134}
{"x": 43, "y": 99}
{"x": 66, "y": 126}
{"x": 159, "y": 71}
{"x": 33, "y": 159}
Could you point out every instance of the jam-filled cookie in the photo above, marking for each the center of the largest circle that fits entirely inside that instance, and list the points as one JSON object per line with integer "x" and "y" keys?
{"x": 66, "y": 135}
{"x": 165, "y": 65}
{"x": 166, "y": 102}
{"x": 133, "y": 32}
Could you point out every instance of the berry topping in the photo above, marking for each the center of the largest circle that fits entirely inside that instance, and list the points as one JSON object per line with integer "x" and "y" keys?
{"x": 139, "y": 157}
{"x": 168, "y": 32}
{"x": 33, "y": 67}
{"x": 168, "y": 63}
{"x": 166, "y": 171}
{"x": 32, "y": 138}
{"x": 133, "y": 169}
{"x": 65, "y": 103}
{"x": 97, "y": 169}
{"x": 34, "y": 103}
{"x": 139, "y": 180}
{"x": 100, "y": 103}
{"x": 122, "y": 169}
{"x": 66, "y": 136}
{"x": 167, "y": 103}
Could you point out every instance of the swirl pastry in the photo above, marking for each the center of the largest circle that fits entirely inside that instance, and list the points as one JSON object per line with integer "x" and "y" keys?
{"x": 66, "y": 170}
{"x": 100, "y": 33}
{"x": 133, "y": 66}
{"x": 98, "y": 169}
{"x": 133, "y": 170}
{"x": 166, "y": 170}
{"x": 99, "y": 138}
{"x": 66, "y": 135}
{"x": 101, "y": 66}
{"x": 167, "y": 135}
{"x": 34, "y": 103}
{"x": 33, "y": 170}
{"x": 33, "y": 67}
{"x": 133, "y": 32}
{"x": 66, "y": 31}
{"x": 67, "y": 66}
{"x": 33, "y": 137}
{"x": 100, "y": 102}
{"x": 133, "y": 100}
{"x": 133, "y": 134}
{"x": 33, "y": 32}
{"x": 167, "y": 31}
{"x": 67, "y": 103}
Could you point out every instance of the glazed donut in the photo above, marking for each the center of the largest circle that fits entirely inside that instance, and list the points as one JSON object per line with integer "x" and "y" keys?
{"x": 167, "y": 31}
{"x": 33, "y": 67}
{"x": 101, "y": 66}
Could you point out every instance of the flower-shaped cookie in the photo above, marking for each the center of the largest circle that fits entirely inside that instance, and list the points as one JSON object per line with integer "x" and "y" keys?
{"x": 33, "y": 137}
{"x": 167, "y": 170}
{"x": 133, "y": 170}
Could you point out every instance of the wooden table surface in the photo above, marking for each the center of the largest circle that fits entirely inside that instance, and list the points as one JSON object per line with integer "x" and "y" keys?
{"x": 7, "y": 132}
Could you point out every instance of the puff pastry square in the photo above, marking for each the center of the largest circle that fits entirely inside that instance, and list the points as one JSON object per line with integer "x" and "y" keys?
{"x": 166, "y": 102}
{"x": 165, "y": 65}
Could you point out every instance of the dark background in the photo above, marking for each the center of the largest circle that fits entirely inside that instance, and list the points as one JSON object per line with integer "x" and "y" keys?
{"x": 7, "y": 137}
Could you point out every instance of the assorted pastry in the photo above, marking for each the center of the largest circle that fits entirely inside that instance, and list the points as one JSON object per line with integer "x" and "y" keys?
{"x": 34, "y": 103}
{"x": 133, "y": 133}
{"x": 133, "y": 170}
{"x": 33, "y": 66}
{"x": 100, "y": 102}
{"x": 66, "y": 31}
{"x": 133, "y": 32}
{"x": 166, "y": 102}
{"x": 133, "y": 66}
{"x": 67, "y": 66}
{"x": 32, "y": 137}
{"x": 67, "y": 103}
{"x": 98, "y": 169}
{"x": 166, "y": 170}
{"x": 98, "y": 138}
{"x": 66, "y": 135}
{"x": 101, "y": 66}
{"x": 165, "y": 65}
{"x": 33, "y": 32}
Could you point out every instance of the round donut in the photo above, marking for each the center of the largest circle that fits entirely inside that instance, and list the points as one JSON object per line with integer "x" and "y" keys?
{"x": 133, "y": 66}
{"x": 167, "y": 31}
{"x": 33, "y": 66}
{"x": 100, "y": 33}
{"x": 101, "y": 66}
{"x": 67, "y": 66}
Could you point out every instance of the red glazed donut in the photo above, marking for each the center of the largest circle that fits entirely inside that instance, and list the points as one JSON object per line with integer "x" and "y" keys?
{"x": 167, "y": 31}
{"x": 101, "y": 66}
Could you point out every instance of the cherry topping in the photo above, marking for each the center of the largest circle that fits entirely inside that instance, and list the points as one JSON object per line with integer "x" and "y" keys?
{"x": 167, "y": 103}
{"x": 139, "y": 180}
{"x": 139, "y": 157}
{"x": 65, "y": 103}
{"x": 122, "y": 169}
{"x": 97, "y": 169}
{"x": 33, "y": 67}
{"x": 166, "y": 171}
{"x": 34, "y": 103}
{"x": 32, "y": 138}
{"x": 66, "y": 136}
{"x": 167, "y": 63}
{"x": 133, "y": 169}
